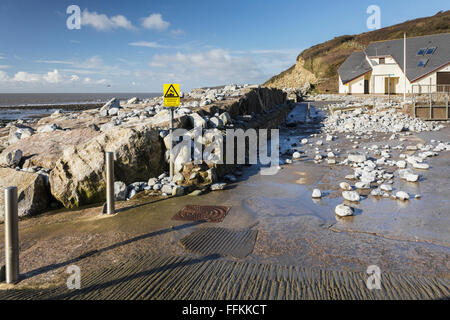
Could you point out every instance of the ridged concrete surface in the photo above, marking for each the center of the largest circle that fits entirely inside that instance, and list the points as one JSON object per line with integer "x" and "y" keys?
{"x": 227, "y": 242}
{"x": 213, "y": 277}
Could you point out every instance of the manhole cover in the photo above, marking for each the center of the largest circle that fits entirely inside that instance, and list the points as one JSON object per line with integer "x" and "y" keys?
{"x": 227, "y": 242}
{"x": 202, "y": 213}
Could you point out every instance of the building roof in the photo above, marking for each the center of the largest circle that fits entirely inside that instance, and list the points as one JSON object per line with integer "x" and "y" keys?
{"x": 394, "y": 48}
{"x": 355, "y": 66}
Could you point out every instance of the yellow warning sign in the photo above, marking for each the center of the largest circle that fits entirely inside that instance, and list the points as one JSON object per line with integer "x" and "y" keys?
{"x": 171, "y": 95}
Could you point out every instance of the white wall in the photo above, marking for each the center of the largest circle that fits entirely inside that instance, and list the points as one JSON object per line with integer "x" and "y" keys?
{"x": 426, "y": 81}
{"x": 354, "y": 86}
{"x": 342, "y": 87}
{"x": 382, "y": 71}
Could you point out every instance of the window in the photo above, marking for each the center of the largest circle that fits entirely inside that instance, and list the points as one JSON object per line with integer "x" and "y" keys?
{"x": 422, "y": 63}
{"x": 421, "y": 51}
{"x": 382, "y": 60}
{"x": 431, "y": 50}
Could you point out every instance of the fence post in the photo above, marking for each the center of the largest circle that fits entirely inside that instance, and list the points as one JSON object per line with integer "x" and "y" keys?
{"x": 110, "y": 183}
{"x": 446, "y": 103}
{"x": 11, "y": 235}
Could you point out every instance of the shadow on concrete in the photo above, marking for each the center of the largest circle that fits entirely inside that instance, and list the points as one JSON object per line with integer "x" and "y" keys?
{"x": 88, "y": 254}
{"x": 132, "y": 276}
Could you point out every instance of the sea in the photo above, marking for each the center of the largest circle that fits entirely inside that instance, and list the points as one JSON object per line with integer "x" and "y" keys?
{"x": 14, "y": 106}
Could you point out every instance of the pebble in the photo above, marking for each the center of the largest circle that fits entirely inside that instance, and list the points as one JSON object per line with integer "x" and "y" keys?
{"x": 351, "y": 196}
{"x": 402, "y": 195}
{"x": 422, "y": 166}
{"x": 362, "y": 185}
{"x": 342, "y": 210}
{"x": 345, "y": 186}
{"x": 218, "y": 186}
{"x": 377, "y": 192}
{"x": 401, "y": 164}
{"x": 316, "y": 194}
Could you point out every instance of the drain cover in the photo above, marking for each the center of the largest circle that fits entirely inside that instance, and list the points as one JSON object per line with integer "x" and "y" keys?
{"x": 202, "y": 213}
{"x": 227, "y": 242}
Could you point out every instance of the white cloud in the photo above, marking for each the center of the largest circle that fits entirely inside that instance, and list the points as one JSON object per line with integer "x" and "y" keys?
{"x": 216, "y": 66}
{"x": 4, "y": 66}
{"x": 90, "y": 63}
{"x": 147, "y": 44}
{"x": 74, "y": 77}
{"x": 23, "y": 76}
{"x": 91, "y": 81}
{"x": 55, "y": 61}
{"x": 53, "y": 77}
{"x": 2, "y": 57}
{"x": 3, "y": 76}
{"x": 104, "y": 23}
{"x": 155, "y": 22}
{"x": 177, "y": 32}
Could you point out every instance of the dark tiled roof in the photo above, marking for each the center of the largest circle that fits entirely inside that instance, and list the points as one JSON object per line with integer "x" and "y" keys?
{"x": 394, "y": 48}
{"x": 355, "y": 66}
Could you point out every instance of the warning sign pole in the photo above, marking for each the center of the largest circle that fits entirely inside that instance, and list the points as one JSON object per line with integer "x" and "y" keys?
{"x": 172, "y": 100}
{"x": 171, "y": 144}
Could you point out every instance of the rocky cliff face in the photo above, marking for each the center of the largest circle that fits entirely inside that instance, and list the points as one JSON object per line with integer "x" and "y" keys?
{"x": 295, "y": 77}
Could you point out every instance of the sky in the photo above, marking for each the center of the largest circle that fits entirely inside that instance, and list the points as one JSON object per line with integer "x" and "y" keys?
{"x": 138, "y": 45}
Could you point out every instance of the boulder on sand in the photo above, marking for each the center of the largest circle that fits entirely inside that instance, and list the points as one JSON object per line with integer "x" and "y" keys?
{"x": 32, "y": 191}
{"x": 78, "y": 178}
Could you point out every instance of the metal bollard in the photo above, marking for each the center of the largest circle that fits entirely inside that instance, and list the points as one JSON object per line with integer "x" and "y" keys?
{"x": 11, "y": 235}
{"x": 109, "y": 182}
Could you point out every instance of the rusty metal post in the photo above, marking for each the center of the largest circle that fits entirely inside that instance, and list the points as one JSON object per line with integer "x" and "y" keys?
{"x": 11, "y": 235}
{"x": 110, "y": 209}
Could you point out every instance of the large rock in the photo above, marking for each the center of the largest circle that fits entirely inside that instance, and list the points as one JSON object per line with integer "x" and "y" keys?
{"x": 10, "y": 158}
{"x": 113, "y": 103}
{"x": 78, "y": 178}
{"x": 120, "y": 191}
{"x": 19, "y": 132}
{"x": 33, "y": 192}
{"x": 356, "y": 157}
{"x": 182, "y": 154}
{"x": 45, "y": 149}
{"x": 197, "y": 120}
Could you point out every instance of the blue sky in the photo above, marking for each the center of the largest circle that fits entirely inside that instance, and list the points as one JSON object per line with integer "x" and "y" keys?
{"x": 136, "y": 46}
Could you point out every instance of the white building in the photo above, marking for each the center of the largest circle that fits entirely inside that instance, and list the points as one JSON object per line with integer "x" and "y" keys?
{"x": 379, "y": 68}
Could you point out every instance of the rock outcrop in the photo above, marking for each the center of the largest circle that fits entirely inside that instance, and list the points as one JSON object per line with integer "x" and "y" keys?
{"x": 79, "y": 176}
{"x": 33, "y": 193}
